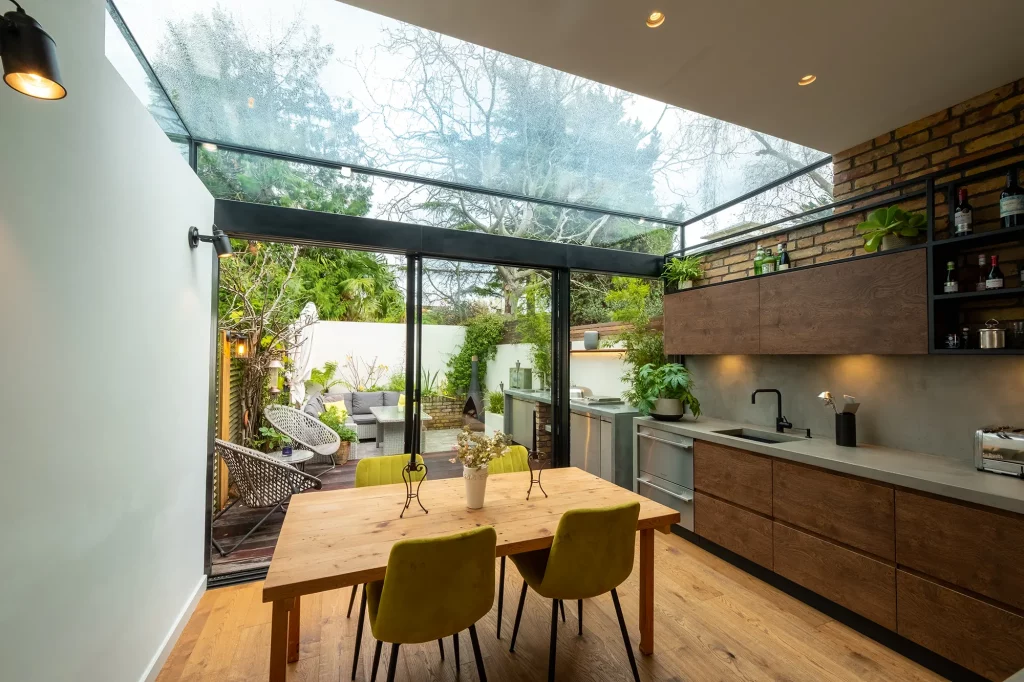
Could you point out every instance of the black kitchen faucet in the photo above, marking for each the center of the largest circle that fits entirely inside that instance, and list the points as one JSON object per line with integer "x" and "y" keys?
{"x": 781, "y": 423}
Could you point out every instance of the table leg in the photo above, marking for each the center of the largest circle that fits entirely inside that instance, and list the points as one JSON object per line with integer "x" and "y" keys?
{"x": 279, "y": 640}
{"x": 293, "y": 631}
{"x": 647, "y": 591}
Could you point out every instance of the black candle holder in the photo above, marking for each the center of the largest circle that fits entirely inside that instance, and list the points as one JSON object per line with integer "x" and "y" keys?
{"x": 407, "y": 473}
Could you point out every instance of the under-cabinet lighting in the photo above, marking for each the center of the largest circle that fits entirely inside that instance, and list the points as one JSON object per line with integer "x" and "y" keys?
{"x": 655, "y": 19}
{"x": 807, "y": 80}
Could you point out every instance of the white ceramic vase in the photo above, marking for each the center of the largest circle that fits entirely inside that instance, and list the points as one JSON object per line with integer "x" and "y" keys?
{"x": 476, "y": 486}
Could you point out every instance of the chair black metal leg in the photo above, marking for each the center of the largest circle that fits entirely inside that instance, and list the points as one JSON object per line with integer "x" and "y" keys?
{"x": 352, "y": 600}
{"x": 561, "y": 607}
{"x": 359, "y": 632}
{"x": 440, "y": 645}
{"x": 501, "y": 594}
{"x": 519, "y": 615}
{"x": 579, "y": 614}
{"x": 554, "y": 639}
{"x": 625, "y": 636}
{"x": 458, "y": 663}
{"x": 376, "y": 660}
{"x": 394, "y": 662}
{"x": 476, "y": 654}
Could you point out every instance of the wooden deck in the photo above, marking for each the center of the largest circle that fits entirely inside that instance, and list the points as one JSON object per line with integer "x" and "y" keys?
{"x": 257, "y": 550}
{"x": 713, "y": 622}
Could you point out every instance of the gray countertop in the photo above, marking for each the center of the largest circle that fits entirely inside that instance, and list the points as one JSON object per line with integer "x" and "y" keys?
{"x": 945, "y": 476}
{"x": 574, "y": 406}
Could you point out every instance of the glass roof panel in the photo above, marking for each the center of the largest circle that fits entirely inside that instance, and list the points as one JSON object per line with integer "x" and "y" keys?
{"x": 802, "y": 193}
{"x": 121, "y": 54}
{"x": 258, "y": 179}
{"x": 325, "y": 80}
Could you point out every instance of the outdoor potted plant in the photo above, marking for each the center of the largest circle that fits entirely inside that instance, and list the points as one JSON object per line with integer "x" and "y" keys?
{"x": 494, "y": 417}
{"x": 682, "y": 272}
{"x": 335, "y": 420}
{"x": 891, "y": 228}
{"x": 664, "y": 392}
{"x": 270, "y": 439}
{"x": 475, "y": 451}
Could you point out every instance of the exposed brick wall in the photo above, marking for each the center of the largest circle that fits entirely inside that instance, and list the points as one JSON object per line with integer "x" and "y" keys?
{"x": 543, "y": 434}
{"x": 986, "y": 124}
{"x": 445, "y": 412}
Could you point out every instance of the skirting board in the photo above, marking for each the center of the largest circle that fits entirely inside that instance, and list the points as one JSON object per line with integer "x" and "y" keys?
{"x": 157, "y": 663}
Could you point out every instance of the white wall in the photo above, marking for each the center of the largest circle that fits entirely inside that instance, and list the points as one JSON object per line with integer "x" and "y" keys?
{"x": 334, "y": 341}
{"x": 105, "y": 359}
{"x": 600, "y": 372}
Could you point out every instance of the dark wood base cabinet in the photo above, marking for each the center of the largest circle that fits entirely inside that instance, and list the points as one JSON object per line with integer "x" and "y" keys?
{"x": 976, "y": 634}
{"x": 857, "y": 581}
{"x": 944, "y": 574}
{"x": 737, "y": 529}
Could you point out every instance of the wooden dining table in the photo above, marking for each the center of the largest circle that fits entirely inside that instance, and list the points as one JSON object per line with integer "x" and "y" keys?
{"x": 340, "y": 538}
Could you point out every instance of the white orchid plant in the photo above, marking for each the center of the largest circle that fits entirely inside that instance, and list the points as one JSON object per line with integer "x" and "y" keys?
{"x": 475, "y": 450}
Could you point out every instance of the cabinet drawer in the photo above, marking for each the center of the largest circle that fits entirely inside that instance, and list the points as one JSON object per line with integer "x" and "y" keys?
{"x": 857, "y": 581}
{"x": 735, "y": 475}
{"x": 736, "y": 529}
{"x": 982, "y": 551}
{"x": 973, "y": 633}
{"x": 669, "y": 494}
{"x": 665, "y": 455}
{"x": 854, "y": 512}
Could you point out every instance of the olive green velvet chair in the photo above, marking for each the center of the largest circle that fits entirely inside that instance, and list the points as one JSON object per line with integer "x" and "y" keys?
{"x": 513, "y": 461}
{"x": 377, "y": 471}
{"x": 592, "y": 553}
{"x": 433, "y": 587}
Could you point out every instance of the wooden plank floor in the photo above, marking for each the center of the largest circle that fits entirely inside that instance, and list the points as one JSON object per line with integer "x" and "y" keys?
{"x": 712, "y": 622}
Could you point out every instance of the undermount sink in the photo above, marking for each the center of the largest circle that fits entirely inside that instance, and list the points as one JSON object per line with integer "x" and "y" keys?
{"x": 759, "y": 436}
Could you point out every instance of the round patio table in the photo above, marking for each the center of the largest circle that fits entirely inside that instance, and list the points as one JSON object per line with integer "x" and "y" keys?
{"x": 297, "y": 459}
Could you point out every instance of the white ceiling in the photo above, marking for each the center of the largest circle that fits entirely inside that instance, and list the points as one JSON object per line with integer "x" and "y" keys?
{"x": 880, "y": 63}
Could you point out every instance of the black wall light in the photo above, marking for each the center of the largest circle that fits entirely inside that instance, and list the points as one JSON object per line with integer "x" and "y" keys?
{"x": 220, "y": 241}
{"x": 29, "y": 56}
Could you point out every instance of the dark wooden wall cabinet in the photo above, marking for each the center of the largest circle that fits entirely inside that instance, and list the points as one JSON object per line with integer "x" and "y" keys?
{"x": 944, "y": 574}
{"x": 873, "y": 305}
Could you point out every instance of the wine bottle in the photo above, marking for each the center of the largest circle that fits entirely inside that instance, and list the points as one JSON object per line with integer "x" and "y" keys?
{"x": 963, "y": 223}
{"x": 982, "y": 266}
{"x": 783, "y": 257}
{"x": 768, "y": 264}
{"x": 758, "y": 260}
{"x": 1011, "y": 202}
{"x": 995, "y": 275}
{"x": 951, "y": 285}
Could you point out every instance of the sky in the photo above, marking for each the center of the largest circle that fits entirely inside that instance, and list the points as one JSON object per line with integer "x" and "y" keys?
{"x": 354, "y": 33}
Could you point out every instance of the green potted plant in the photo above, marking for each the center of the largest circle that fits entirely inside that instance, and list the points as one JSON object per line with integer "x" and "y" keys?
{"x": 891, "y": 228}
{"x": 683, "y": 272}
{"x": 335, "y": 420}
{"x": 270, "y": 439}
{"x": 664, "y": 392}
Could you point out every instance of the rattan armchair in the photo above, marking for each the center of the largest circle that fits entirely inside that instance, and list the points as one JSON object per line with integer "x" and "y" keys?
{"x": 262, "y": 482}
{"x": 308, "y": 432}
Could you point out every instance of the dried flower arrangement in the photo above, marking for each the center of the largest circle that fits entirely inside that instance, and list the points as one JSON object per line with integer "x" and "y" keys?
{"x": 475, "y": 450}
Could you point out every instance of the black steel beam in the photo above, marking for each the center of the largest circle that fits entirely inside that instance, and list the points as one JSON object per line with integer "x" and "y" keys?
{"x": 410, "y": 343}
{"x": 257, "y": 221}
{"x": 560, "y": 367}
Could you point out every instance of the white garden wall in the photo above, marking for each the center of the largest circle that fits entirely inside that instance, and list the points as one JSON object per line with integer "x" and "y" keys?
{"x": 600, "y": 372}
{"x": 336, "y": 341}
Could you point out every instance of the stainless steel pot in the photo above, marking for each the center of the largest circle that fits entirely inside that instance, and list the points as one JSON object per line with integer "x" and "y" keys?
{"x": 992, "y": 335}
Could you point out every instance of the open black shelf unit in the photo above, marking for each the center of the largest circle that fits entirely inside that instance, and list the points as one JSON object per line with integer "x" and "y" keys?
{"x": 949, "y": 313}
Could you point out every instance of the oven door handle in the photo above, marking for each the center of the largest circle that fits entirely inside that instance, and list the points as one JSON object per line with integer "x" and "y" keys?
{"x": 682, "y": 446}
{"x": 678, "y": 496}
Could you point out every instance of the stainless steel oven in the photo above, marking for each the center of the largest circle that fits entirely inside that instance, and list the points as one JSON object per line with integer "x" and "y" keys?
{"x": 664, "y": 464}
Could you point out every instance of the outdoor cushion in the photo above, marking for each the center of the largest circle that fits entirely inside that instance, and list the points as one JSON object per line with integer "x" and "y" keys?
{"x": 314, "y": 407}
{"x": 339, "y": 405}
{"x": 337, "y": 393}
{"x": 391, "y": 398}
{"x": 362, "y": 418}
{"x": 362, "y": 402}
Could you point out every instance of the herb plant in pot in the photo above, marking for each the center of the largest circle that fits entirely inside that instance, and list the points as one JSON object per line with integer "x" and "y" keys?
{"x": 664, "y": 392}
{"x": 335, "y": 420}
{"x": 475, "y": 451}
{"x": 683, "y": 272}
{"x": 891, "y": 228}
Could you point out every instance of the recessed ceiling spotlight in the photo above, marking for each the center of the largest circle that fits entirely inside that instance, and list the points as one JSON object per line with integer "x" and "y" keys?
{"x": 807, "y": 80}
{"x": 655, "y": 19}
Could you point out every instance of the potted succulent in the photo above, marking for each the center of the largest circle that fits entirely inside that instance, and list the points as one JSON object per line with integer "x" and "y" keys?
{"x": 682, "y": 272}
{"x": 664, "y": 392}
{"x": 475, "y": 451}
{"x": 891, "y": 228}
{"x": 335, "y": 420}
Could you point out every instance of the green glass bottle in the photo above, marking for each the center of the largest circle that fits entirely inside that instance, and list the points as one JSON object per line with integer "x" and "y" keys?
{"x": 758, "y": 260}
